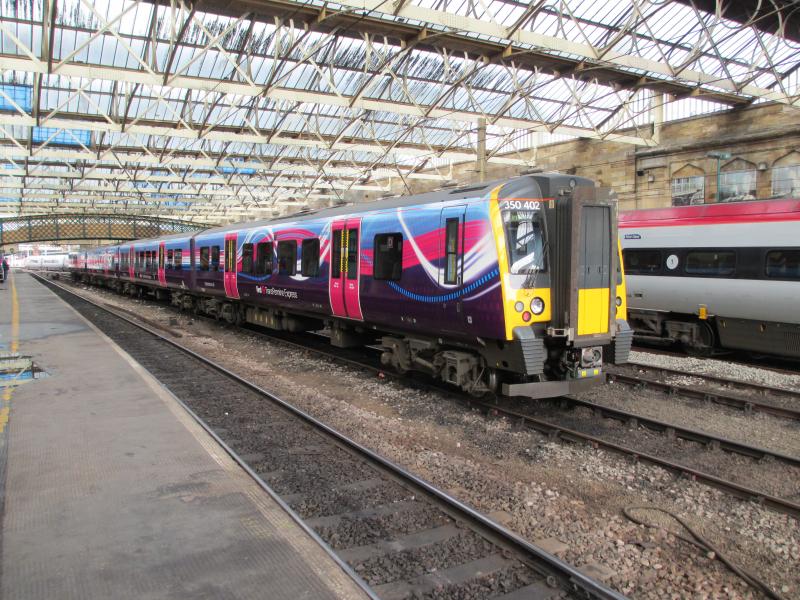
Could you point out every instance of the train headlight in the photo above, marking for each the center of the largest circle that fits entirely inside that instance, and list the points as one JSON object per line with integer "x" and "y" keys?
{"x": 537, "y": 306}
{"x": 618, "y": 301}
{"x": 526, "y": 316}
{"x": 519, "y": 306}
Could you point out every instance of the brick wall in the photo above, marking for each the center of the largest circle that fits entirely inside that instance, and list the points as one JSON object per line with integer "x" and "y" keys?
{"x": 763, "y": 136}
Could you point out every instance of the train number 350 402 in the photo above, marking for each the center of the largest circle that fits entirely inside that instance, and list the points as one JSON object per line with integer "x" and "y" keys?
{"x": 520, "y": 205}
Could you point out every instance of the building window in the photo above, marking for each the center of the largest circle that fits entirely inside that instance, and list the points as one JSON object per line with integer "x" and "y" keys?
{"x": 264, "y": 258}
{"x": 641, "y": 262}
{"x": 711, "y": 263}
{"x": 215, "y": 258}
{"x": 247, "y": 258}
{"x": 736, "y": 186}
{"x": 310, "y": 258}
{"x": 688, "y": 190}
{"x": 204, "y": 258}
{"x": 388, "y": 248}
{"x": 783, "y": 264}
{"x": 786, "y": 181}
{"x": 287, "y": 257}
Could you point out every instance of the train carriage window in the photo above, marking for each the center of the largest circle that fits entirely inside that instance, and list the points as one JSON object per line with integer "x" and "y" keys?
{"x": 309, "y": 259}
{"x": 711, "y": 263}
{"x": 783, "y": 264}
{"x": 336, "y": 255}
{"x": 641, "y": 262}
{"x": 264, "y": 258}
{"x": 230, "y": 256}
{"x": 247, "y": 258}
{"x": 451, "y": 251}
{"x": 352, "y": 253}
{"x": 204, "y": 251}
{"x": 170, "y": 258}
{"x": 388, "y": 249}
{"x": 287, "y": 257}
{"x": 215, "y": 258}
{"x": 178, "y": 260}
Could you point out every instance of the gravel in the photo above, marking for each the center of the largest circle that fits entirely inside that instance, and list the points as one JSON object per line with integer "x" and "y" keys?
{"x": 719, "y": 368}
{"x": 543, "y": 489}
{"x": 757, "y": 429}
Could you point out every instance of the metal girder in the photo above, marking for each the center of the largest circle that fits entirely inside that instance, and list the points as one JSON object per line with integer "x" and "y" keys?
{"x": 585, "y": 52}
{"x": 435, "y": 29}
{"x": 105, "y": 158}
{"x": 309, "y": 97}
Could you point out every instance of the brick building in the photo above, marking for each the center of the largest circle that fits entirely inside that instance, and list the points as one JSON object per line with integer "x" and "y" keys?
{"x": 760, "y": 146}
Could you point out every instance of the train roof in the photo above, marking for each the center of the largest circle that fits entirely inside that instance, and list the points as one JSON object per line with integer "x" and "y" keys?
{"x": 539, "y": 185}
{"x": 713, "y": 214}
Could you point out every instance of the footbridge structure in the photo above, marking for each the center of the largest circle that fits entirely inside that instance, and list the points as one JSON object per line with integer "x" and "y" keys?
{"x": 88, "y": 227}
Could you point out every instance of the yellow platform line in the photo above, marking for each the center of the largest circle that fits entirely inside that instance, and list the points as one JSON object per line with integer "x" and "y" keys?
{"x": 8, "y": 389}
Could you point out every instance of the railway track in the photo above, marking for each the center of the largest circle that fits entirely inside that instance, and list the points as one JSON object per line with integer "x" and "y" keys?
{"x": 390, "y": 529}
{"x": 554, "y": 428}
{"x": 745, "y": 395}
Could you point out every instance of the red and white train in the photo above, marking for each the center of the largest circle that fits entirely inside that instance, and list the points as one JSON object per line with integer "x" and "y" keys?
{"x": 717, "y": 276}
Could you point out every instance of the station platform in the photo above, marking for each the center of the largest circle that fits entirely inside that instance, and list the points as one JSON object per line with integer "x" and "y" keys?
{"x": 112, "y": 490}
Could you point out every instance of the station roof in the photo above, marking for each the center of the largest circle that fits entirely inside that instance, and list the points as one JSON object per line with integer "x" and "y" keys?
{"x": 241, "y": 109}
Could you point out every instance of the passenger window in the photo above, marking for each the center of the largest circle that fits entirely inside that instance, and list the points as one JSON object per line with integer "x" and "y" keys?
{"x": 287, "y": 257}
{"x": 230, "y": 256}
{"x": 247, "y": 258}
{"x": 215, "y": 258}
{"x": 264, "y": 258}
{"x": 352, "y": 253}
{"x": 336, "y": 255}
{"x": 451, "y": 249}
{"x": 178, "y": 260}
{"x": 170, "y": 255}
{"x": 710, "y": 263}
{"x": 641, "y": 262}
{"x": 309, "y": 260}
{"x": 204, "y": 258}
{"x": 783, "y": 264}
{"x": 388, "y": 249}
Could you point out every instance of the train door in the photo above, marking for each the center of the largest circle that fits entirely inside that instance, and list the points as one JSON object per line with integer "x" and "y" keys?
{"x": 231, "y": 287}
{"x": 345, "y": 269}
{"x": 594, "y": 274}
{"x": 162, "y": 252}
{"x": 451, "y": 273}
{"x": 131, "y": 263}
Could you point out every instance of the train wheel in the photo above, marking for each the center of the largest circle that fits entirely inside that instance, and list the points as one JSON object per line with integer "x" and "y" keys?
{"x": 705, "y": 342}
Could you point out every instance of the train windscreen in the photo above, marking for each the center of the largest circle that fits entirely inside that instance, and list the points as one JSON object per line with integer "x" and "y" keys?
{"x": 524, "y": 238}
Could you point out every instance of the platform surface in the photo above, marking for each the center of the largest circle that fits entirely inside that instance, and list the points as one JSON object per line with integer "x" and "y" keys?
{"x": 113, "y": 491}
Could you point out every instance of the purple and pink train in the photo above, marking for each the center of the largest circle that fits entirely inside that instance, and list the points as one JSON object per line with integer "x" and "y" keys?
{"x": 512, "y": 286}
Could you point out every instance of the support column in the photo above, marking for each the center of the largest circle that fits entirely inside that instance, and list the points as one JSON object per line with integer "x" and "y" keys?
{"x": 481, "y": 150}
{"x": 657, "y": 114}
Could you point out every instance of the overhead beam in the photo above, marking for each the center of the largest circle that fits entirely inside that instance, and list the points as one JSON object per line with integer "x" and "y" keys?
{"x": 586, "y": 52}
{"x": 371, "y": 18}
{"x": 105, "y": 158}
{"x": 20, "y": 63}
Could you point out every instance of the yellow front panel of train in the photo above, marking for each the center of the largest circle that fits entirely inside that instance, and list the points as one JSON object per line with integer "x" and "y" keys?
{"x": 593, "y": 311}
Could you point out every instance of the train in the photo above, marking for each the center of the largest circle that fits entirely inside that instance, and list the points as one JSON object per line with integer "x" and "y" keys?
{"x": 512, "y": 287}
{"x": 715, "y": 278}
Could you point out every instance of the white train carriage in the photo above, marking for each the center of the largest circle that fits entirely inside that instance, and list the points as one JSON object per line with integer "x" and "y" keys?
{"x": 718, "y": 276}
